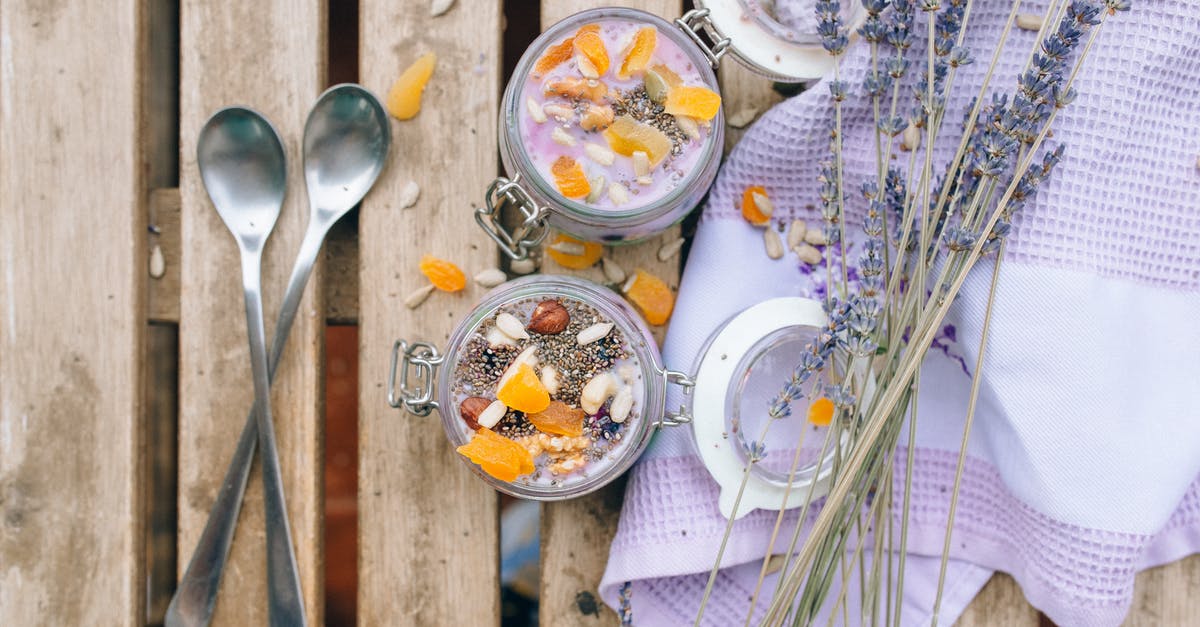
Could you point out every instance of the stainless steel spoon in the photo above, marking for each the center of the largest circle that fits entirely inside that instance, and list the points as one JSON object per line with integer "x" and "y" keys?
{"x": 346, "y": 141}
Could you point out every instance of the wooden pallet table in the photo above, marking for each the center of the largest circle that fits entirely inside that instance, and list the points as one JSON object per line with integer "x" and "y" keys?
{"x": 122, "y": 394}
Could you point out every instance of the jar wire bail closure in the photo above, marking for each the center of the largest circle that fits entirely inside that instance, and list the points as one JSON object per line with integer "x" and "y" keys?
{"x": 533, "y": 228}
{"x": 424, "y": 359}
{"x": 696, "y": 21}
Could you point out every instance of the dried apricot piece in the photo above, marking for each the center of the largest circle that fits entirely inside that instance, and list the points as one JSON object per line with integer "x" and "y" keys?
{"x": 554, "y": 57}
{"x": 651, "y": 296}
{"x": 559, "y": 419}
{"x": 404, "y": 98}
{"x": 639, "y": 52}
{"x": 442, "y": 274}
{"x": 697, "y": 102}
{"x": 668, "y": 75}
{"x": 559, "y": 251}
{"x": 590, "y": 48}
{"x": 820, "y": 412}
{"x": 573, "y": 87}
{"x": 588, "y": 28}
{"x": 626, "y": 136}
{"x": 754, "y": 201}
{"x": 524, "y": 392}
{"x": 570, "y": 178}
{"x": 497, "y": 455}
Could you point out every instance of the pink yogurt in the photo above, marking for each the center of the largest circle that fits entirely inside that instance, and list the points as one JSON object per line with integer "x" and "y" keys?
{"x": 543, "y": 150}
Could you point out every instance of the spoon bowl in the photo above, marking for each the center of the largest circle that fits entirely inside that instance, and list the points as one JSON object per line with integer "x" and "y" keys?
{"x": 243, "y": 167}
{"x": 346, "y": 141}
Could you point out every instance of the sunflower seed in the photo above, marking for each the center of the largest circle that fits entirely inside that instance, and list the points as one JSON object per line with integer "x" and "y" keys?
{"x": 1028, "y": 21}
{"x": 510, "y": 326}
{"x": 612, "y": 272}
{"x": 593, "y": 333}
{"x": 597, "y": 188}
{"x": 621, "y": 405}
{"x": 596, "y": 391}
{"x": 562, "y": 137}
{"x": 438, "y": 7}
{"x": 618, "y": 194}
{"x": 796, "y": 233}
{"x": 816, "y": 237}
{"x": 550, "y": 379}
{"x": 670, "y": 249}
{"x": 911, "y": 139}
{"x": 158, "y": 265}
{"x": 409, "y": 195}
{"x": 599, "y": 154}
{"x": 490, "y": 277}
{"x": 523, "y": 266}
{"x": 688, "y": 126}
{"x": 808, "y": 254}
{"x": 656, "y": 86}
{"x": 587, "y": 68}
{"x": 560, "y": 112}
{"x": 535, "y": 110}
{"x": 574, "y": 249}
{"x": 418, "y": 296}
{"x": 492, "y": 415}
{"x": 641, "y": 163}
{"x": 763, "y": 204}
{"x": 742, "y": 118}
{"x": 773, "y": 243}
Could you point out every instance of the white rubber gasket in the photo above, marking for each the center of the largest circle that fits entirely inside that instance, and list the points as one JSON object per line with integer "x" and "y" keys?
{"x": 716, "y": 369}
{"x": 763, "y": 51}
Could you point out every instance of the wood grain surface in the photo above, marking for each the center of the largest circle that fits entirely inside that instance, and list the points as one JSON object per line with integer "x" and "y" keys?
{"x": 269, "y": 56}
{"x": 72, "y": 317}
{"x": 428, "y": 527}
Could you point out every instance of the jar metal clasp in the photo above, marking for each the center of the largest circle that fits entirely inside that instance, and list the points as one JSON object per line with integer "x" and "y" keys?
{"x": 422, "y": 360}
{"x": 528, "y": 234}
{"x": 696, "y": 21}
{"x": 683, "y": 415}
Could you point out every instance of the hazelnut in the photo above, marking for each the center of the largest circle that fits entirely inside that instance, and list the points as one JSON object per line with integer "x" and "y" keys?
{"x": 549, "y": 318}
{"x": 471, "y": 408}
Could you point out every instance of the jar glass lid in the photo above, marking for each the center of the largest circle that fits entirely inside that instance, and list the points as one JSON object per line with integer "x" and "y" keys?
{"x": 777, "y": 38}
{"x": 739, "y": 374}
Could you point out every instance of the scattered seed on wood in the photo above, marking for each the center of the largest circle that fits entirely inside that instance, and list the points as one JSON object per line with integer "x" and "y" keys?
{"x": 409, "y": 194}
{"x": 158, "y": 265}
{"x": 911, "y": 140}
{"x": 670, "y": 249}
{"x": 773, "y": 243}
{"x": 815, "y": 236}
{"x": 1029, "y": 21}
{"x": 439, "y": 7}
{"x": 796, "y": 233}
{"x": 490, "y": 277}
{"x": 743, "y": 117}
{"x": 613, "y": 273}
{"x": 575, "y": 249}
{"x": 523, "y": 266}
{"x": 808, "y": 254}
{"x": 418, "y": 296}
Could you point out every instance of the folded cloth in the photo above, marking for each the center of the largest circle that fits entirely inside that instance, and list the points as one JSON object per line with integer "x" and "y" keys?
{"x": 1084, "y": 458}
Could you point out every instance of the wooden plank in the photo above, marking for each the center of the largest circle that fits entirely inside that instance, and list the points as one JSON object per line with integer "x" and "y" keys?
{"x": 576, "y": 534}
{"x": 1167, "y": 595}
{"x": 269, "y": 56}
{"x": 163, "y": 296}
{"x": 72, "y": 242}
{"x": 428, "y": 527}
{"x": 1001, "y": 602}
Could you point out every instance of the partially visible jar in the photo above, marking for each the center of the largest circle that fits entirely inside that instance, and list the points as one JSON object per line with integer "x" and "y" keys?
{"x": 512, "y": 387}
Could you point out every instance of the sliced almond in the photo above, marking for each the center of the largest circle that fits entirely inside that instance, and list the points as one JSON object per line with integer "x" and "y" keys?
{"x": 562, "y": 137}
{"x": 418, "y": 296}
{"x": 796, "y": 233}
{"x": 597, "y": 184}
{"x": 550, "y": 379}
{"x": 613, "y": 273}
{"x": 586, "y": 67}
{"x": 496, "y": 337}
{"x": 491, "y": 416}
{"x": 490, "y": 277}
{"x": 618, "y": 194}
{"x": 409, "y": 195}
{"x": 594, "y": 333}
{"x": 670, "y": 249}
{"x": 815, "y": 236}
{"x": 560, "y": 112}
{"x": 622, "y": 404}
{"x": 742, "y": 118}
{"x": 641, "y": 163}
{"x": 438, "y": 7}
{"x": 808, "y": 254}
{"x": 575, "y": 249}
{"x": 599, "y": 154}
{"x": 523, "y": 266}
{"x": 596, "y": 391}
{"x": 535, "y": 110}
{"x": 773, "y": 243}
{"x": 645, "y": 180}
{"x": 688, "y": 126}
{"x": 511, "y": 326}
{"x": 910, "y": 140}
{"x": 1029, "y": 21}
{"x": 763, "y": 204}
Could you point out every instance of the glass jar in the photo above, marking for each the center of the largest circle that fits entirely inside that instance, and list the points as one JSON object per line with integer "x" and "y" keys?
{"x": 550, "y": 113}
{"x": 423, "y": 379}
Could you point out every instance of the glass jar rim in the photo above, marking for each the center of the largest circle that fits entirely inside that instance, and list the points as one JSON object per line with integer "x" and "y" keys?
{"x": 641, "y": 342}
{"x": 511, "y": 107}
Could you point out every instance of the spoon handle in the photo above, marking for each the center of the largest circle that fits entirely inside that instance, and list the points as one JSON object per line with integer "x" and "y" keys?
{"x": 195, "y": 598}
